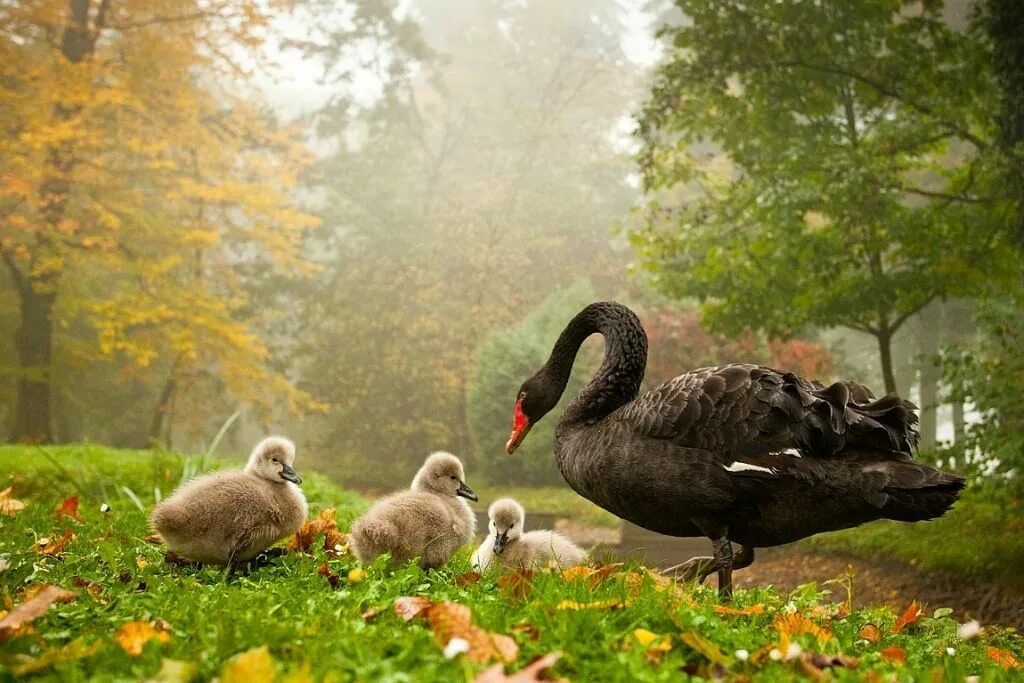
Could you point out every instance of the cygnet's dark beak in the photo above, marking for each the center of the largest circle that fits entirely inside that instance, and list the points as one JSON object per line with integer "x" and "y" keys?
{"x": 500, "y": 541}
{"x": 288, "y": 474}
{"x": 465, "y": 491}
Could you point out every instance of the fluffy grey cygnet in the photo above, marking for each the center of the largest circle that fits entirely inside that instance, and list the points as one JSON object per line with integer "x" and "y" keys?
{"x": 229, "y": 517}
{"x": 507, "y": 546}
{"x": 430, "y": 521}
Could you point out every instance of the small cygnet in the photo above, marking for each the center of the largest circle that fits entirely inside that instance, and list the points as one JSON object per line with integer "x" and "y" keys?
{"x": 430, "y": 521}
{"x": 507, "y": 546}
{"x": 229, "y": 517}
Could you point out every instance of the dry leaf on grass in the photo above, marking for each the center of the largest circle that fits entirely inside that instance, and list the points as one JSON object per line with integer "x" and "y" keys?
{"x": 1003, "y": 658}
{"x": 789, "y": 625}
{"x": 9, "y": 506}
{"x": 528, "y": 674}
{"x": 870, "y": 633}
{"x": 747, "y": 611}
{"x": 517, "y": 585}
{"x": 252, "y": 666}
{"x": 814, "y": 663}
{"x": 894, "y": 654}
{"x": 69, "y": 508}
{"x": 91, "y": 587}
{"x": 467, "y": 579}
{"x": 654, "y": 645}
{"x": 38, "y": 599}
{"x": 594, "y": 575}
{"x": 410, "y": 607}
{"x": 335, "y": 542}
{"x": 78, "y": 648}
{"x": 613, "y": 603}
{"x": 910, "y": 616}
{"x": 705, "y": 647}
{"x": 49, "y": 546}
{"x": 175, "y": 671}
{"x": 451, "y": 620}
{"x": 134, "y": 635}
{"x": 324, "y": 570}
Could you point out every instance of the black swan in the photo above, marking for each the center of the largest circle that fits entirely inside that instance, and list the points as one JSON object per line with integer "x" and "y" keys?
{"x": 737, "y": 453}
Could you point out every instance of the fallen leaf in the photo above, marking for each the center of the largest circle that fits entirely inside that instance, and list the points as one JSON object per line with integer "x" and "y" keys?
{"x": 604, "y": 571}
{"x": 39, "y": 599}
{"x": 467, "y": 579}
{"x": 356, "y": 575}
{"x": 910, "y": 615}
{"x": 870, "y": 633}
{"x": 141, "y": 562}
{"x": 789, "y": 625}
{"x": 746, "y": 612}
{"x": 69, "y": 508}
{"x": 92, "y": 588}
{"x": 77, "y": 649}
{"x": 134, "y": 635}
{"x": 409, "y": 607}
{"x": 371, "y": 614}
{"x": 335, "y": 542}
{"x": 814, "y": 664}
{"x": 530, "y": 673}
{"x": 654, "y": 645}
{"x": 613, "y": 603}
{"x": 894, "y": 654}
{"x": 174, "y": 671}
{"x": 578, "y": 572}
{"x": 324, "y": 570}
{"x": 252, "y": 666}
{"x": 47, "y": 546}
{"x": 451, "y": 620}
{"x": 518, "y": 584}
{"x": 1003, "y": 658}
{"x": 9, "y": 506}
{"x": 705, "y": 647}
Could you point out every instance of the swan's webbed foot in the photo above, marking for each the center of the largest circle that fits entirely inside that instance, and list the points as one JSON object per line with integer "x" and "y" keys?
{"x": 700, "y": 568}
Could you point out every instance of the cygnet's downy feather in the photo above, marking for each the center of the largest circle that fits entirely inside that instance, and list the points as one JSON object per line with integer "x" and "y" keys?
{"x": 508, "y": 546}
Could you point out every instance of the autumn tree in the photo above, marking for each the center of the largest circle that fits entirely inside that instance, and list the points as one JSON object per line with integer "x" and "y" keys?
{"x": 131, "y": 158}
{"x": 825, "y": 164}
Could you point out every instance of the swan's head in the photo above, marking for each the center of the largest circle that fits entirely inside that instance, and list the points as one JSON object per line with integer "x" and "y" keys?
{"x": 537, "y": 396}
{"x": 272, "y": 459}
{"x": 442, "y": 474}
{"x": 507, "y": 518}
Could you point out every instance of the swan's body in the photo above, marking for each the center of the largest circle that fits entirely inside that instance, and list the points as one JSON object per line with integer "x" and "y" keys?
{"x": 229, "y": 517}
{"x": 736, "y": 453}
{"x": 508, "y": 546}
{"x": 430, "y": 521}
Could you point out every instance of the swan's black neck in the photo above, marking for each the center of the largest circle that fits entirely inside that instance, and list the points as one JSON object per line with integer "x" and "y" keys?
{"x": 618, "y": 380}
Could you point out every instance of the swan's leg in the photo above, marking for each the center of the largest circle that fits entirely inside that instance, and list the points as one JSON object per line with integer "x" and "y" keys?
{"x": 700, "y": 568}
{"x": 723, "y": 559}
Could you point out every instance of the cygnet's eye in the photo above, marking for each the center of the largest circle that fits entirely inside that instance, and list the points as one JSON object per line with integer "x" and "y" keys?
{"x": 453, "y": 477}
{"x": 274, "y": 460}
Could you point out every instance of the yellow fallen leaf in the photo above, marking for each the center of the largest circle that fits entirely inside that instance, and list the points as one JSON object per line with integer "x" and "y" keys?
{"x": 140, "y": 562}
{"x": 613, "y": 603}
{"x": 705, "y": 647}
{"x": 578, "y": 572}
{"x": 747, "y": 611}
{"x": 9, "y": 506}
{"x": 356, "y": 575}
{"x": 654, "y": 643}
{"x": 174, "y": 671}
{"x": 252, "y": 666}
{"x": 134, "y": 635}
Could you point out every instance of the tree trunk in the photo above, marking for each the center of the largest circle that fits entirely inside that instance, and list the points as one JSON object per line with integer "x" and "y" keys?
{"x": 163, "y": 406}
{"x": 34, "y": 345}
{"x": 884, "y": 336}
{"x": 959, "y": 426}
{"x": 903, "y": 368}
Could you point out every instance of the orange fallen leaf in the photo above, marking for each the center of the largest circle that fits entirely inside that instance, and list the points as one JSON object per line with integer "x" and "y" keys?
{"x": 746, "y": 612}
{"x": 655, "y": 645}
{"x": 335, "y": 542}
{"x": 451, "y": 620}
{"x": 518, "y": 584}
{"x": 1003, "y": 658}
{"x": 910, "y": 615}
{"x": 134, "y": 635}
{"x": 69, "y": 508}
{"x": 894, "y": 655}
{"x": 870, "y": 633}
{"x": 409, "y": 607}
{"x": 794, "y": 624}
{"x": 578, "y": 572}
{"x": 35, "y": 604}
{"x": 324, "y": 570}
{"x": 467, "y": 579}
{"x": 9, "y": 506}
{"x": 531, "y": 673}
{"x": 48, "y": 546}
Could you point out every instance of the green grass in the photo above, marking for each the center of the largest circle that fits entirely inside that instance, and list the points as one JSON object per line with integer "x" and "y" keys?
{"x": 557, "y": 500}
{"x": 311, "y": 627}
{"x": 981, "y": 539}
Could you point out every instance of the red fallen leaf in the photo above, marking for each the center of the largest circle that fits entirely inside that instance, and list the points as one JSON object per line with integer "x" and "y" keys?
{"x": 1003, "y": 658}
{"x": 910, "y": 615}
{"x": 449, "y": 620}
{"x": 517, "y": 585}
{"x": 410, "y": 607}
{"x": 325, "y": 571}
{"x": 531, "y": 673}
{"x": 894, "y": 655}
{"x": 870, "y": 633}
{"x": 48, "y": 546}
{"x": 69, "y": 507}
{"x": 38, "y": 599}
{"x": 467, "y": 579}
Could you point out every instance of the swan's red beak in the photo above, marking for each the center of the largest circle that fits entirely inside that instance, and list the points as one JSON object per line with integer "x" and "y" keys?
{"x": 520, "y": 427}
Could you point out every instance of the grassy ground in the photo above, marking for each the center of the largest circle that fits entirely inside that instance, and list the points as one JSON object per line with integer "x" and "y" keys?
{"x": 313, "y": 629}
{"x": 981, "y": 539}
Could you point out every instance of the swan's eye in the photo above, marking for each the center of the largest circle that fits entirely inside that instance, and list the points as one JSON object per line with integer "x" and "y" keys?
{"x": 522, "y": 395}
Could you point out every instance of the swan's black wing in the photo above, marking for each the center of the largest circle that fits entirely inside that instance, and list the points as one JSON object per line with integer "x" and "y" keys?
{"x": 748, "y": 410}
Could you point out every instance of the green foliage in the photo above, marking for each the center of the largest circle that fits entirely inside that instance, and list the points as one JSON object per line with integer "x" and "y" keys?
{"x": 988, "y": 373}
{"x": 306, "y": 624}
{"x": 503, "y": 362}
{"x": 819, "y": 164}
